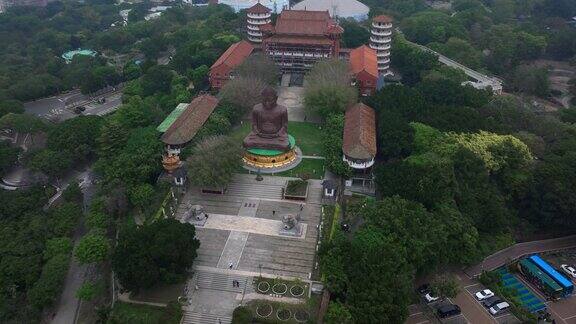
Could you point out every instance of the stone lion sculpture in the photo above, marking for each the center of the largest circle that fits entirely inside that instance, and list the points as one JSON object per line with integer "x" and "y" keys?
{"x": 289, "y": 221}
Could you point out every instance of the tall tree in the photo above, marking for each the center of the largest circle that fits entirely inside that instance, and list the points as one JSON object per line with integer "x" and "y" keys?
{"x": 160, "y": 252}
{"x": 380, "y": 278}
{"x": 328, "y": 89}
{"x": 213, "y": 161}
{"x": 259, "y": 66}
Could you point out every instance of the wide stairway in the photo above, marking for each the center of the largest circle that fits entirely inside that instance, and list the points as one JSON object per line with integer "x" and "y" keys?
{"x": 201, "y": 318}
{"x": 242, "y": 187}
{"x": 216, "y": 281}
{"x": 223, "y": 282}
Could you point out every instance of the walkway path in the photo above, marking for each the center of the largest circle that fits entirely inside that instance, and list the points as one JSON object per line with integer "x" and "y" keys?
{"x": 68, "y": 304}
{"x": 293, "y": 99}
{"x": 517, "y": 251}
{"x": 232, "y": 250}
{"x": 483, "y": 80}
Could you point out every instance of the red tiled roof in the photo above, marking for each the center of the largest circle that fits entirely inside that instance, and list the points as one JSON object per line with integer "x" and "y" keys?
{"x": 364, "y": 58}
{"x": 298, "y": 40}
{"x": 234, "y": 55}
{"x": 335, "y": 29}
{"x": 383, "y": 19}
{"x": 360, "y": 132}
{"x": 258, "y": 9}
{"x": 302, "y": 22}
{"x": 189, "y": 122}
{"x": 266, "y": 28}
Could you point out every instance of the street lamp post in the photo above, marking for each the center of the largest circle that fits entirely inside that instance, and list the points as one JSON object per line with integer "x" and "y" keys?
{"x": 260, "y": 267}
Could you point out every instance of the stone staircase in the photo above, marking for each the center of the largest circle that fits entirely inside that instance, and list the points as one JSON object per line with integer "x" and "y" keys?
{"x": 203, "y": 318}
{"x": 241, "y": 188}
{"x": 223, "y": 282}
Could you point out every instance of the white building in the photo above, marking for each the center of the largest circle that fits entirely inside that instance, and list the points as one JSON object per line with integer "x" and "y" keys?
{"x": 380, "y": 40}
{"x": 337, "y": 8}
{"x": 257, "y": 16}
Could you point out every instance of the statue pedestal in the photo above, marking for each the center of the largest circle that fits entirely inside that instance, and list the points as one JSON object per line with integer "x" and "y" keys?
{"x": 258, "y": 161}
{"x": 272, "y": 161}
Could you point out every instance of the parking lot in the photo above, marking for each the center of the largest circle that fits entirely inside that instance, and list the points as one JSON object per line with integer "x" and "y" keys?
{"x": 472, "y": 310}
{"x": 504, "y": 317}
{"x": 564, "y": 310}
{"x": 419, "y": 314}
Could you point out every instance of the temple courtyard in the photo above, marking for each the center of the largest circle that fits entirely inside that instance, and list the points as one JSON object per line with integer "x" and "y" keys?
{"x": 242, "y": 227}
{"x": 240, "y": 240}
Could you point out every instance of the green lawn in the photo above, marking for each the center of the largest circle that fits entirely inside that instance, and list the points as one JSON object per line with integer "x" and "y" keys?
{"x": 314, "y": 168}
{"x": 139, "y": 314}
{"x": 308, "y": 136}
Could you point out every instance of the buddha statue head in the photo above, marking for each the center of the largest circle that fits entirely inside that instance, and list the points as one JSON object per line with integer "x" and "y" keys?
{"x": 269, "y": 98}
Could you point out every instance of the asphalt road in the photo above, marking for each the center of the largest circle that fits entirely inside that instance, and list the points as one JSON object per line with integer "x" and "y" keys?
{"x": 58, "y": 108}
{"x": 518, "y": 250}
{"x": 67, "y": 307}
{"x": 54, "y": 107}
{"x": 113, "y": 101}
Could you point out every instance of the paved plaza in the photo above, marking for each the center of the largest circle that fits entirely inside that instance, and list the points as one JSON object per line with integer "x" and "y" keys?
{"x": 241, "y": 239}
{"x": 292, "y": 98}
{"x": 244, "y": 224}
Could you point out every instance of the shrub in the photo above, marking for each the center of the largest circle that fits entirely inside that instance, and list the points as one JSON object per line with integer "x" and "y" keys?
{"x": 47, "y": 288}
{"x": 241, "y": 315}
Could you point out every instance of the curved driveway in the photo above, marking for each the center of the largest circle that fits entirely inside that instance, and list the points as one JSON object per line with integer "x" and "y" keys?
{"x": 519, "y": 250}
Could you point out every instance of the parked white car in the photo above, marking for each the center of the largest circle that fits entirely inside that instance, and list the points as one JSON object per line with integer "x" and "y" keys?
{"x": 569, "y": 270}
{"x": 499, "y": 308}
{"x": 430, "y": 298}
{"x": 484, "y": 294}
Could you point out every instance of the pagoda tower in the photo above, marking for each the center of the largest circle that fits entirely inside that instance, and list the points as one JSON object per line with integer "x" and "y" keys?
{"x": 257, "y": 15}
{"x": 380, "y": 41}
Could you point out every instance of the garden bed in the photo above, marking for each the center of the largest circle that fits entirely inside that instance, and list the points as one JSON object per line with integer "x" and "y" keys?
{"x": 265, "y": 311}
{"x": 285, "y": 288}
{"x": 144, "y": 314}
{"x": 162, "y": 294}
{"x": 296, "y": 190}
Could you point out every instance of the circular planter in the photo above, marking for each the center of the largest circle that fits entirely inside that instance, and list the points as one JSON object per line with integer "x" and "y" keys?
{"x": 263, "y": 287}
{"x": 264, "y": 310}
{"x": 183, "y": 300}
{"x": 283, "y": 314}
{"x": 297, "y": 291}
{"x": 279, "y": 288}
{"x": 301, "y": 316}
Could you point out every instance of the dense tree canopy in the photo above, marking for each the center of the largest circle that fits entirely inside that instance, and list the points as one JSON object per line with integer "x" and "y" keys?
{"x": 151, "y": 254}
{"x": 206, "y": 171}
{"x": 328, "y": 89}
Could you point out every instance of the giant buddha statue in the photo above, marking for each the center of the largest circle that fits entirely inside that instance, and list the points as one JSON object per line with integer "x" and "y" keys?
{"x": 269, "y": 147}
{"x": 269, "y": 124}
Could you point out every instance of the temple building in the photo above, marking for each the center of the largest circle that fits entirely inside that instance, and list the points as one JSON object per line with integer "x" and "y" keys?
{"x": 257, "y": 15}
{"x": 180, "y": 127}
{"x": 301, "y": 38}
{"x": 364, "y": 68}
{"x": 380, "y": 41}
{"x": 359, "y": 147}
{"x": 222, "y": 70}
